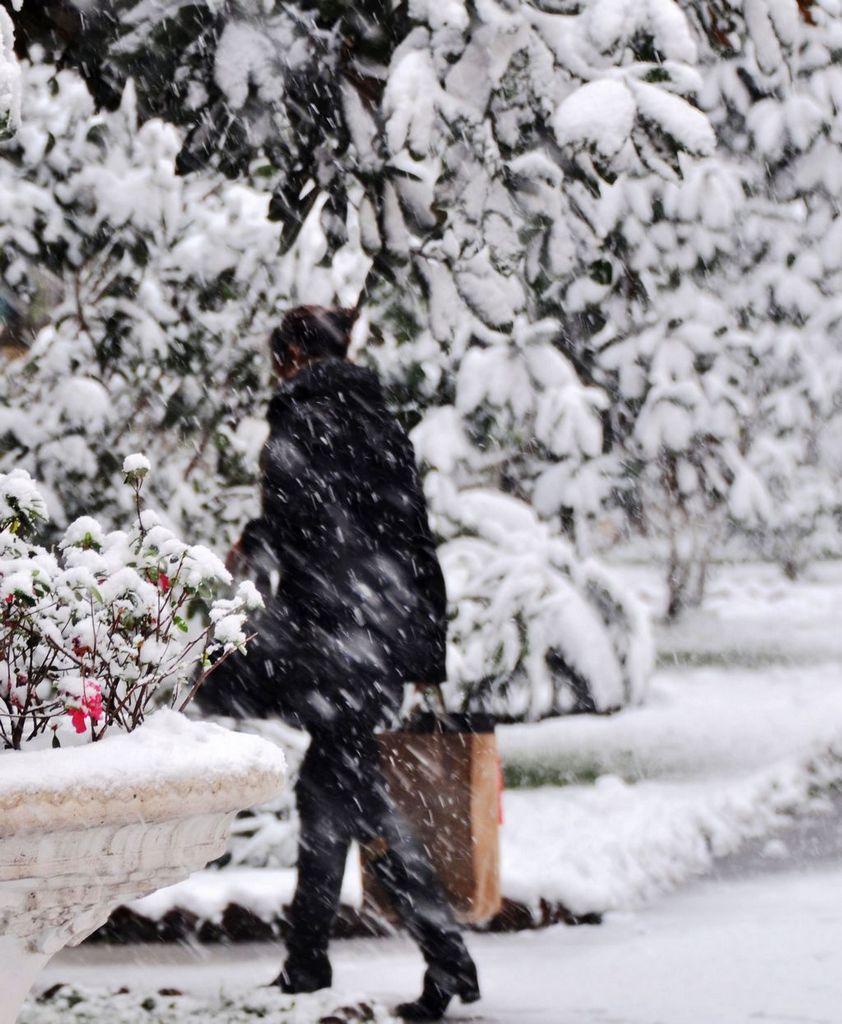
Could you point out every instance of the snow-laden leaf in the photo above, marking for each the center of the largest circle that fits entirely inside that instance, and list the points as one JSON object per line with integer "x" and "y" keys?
{"x": 410, "y": 103}
{"x": 600, "y": 115}
{"x": 675, "y": 117}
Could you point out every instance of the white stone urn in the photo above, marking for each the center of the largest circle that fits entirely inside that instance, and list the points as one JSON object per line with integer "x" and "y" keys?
{"x": 85, "y": 829}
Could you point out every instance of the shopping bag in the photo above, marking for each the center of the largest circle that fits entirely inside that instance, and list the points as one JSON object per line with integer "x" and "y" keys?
{"x": 443, "y": 774}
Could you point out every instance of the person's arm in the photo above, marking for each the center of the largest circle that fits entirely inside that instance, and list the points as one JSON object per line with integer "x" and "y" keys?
{"x": 255, "y": 553}
{"x": 429, "y": 575}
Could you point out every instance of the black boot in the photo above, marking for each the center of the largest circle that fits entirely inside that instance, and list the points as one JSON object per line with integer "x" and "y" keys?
{"x": 304, "y": 975}
{"x": 439, "y": 989}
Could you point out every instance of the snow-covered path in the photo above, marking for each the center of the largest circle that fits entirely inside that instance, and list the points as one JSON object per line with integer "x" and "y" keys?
{"x": 724, "y": 951}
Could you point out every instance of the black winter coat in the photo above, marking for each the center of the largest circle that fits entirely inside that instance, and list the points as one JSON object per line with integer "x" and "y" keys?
{"x": 361, "y": 606}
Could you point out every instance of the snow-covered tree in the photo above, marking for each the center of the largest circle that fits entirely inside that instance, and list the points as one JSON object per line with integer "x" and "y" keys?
{"x": 506, "y": 121}
{"x": 162, "y": 287}
{"x": 453, "y": 175}
{"x": 246, "y": 80}
{"x": 773, "y": 89}
{"x": 536, "y": 631}
{"x": 674, "y": 361}
{"x": 525, "y": 127}
{"x": 719, "y": 384}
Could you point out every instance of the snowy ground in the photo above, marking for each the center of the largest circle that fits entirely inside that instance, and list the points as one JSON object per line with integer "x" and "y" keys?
{"x": 731, "y": 770}
{"x": 751, "y": 614}
{"x": 758, "y": 944}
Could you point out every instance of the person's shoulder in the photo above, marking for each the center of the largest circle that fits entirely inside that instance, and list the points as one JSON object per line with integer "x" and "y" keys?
{"x": 280, "y": 406}
{"x": 338, "y": 377}
{"x": 334, "y": 399}
{"x": 335, "y": 383}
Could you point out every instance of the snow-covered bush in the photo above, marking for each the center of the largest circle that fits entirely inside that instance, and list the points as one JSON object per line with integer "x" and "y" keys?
{"x": 686, "y": 373}
{"x": 93, "y": 631}
{"x": 536, "y": 631}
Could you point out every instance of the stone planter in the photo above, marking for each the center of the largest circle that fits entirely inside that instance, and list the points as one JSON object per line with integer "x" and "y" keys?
{"x": 85, "y": 829}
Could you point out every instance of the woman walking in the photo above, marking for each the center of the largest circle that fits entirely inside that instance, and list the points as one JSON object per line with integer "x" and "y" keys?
{"x": 360, "y": 610}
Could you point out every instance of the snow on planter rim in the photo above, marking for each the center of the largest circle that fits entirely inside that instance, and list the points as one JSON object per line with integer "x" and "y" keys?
{"x": 166, "y": 766}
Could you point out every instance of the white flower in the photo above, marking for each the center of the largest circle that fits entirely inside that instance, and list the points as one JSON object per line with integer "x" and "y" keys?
{"x": 249, "y": 596}
{"x": 229, "y": 631}
{"x": 84, "y": 532}
{"x": 136, "y": 467}
{"x": 19, "y": 496}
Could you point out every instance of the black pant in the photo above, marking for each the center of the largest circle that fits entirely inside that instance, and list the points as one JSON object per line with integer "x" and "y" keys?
{"x": 342, "y": 796}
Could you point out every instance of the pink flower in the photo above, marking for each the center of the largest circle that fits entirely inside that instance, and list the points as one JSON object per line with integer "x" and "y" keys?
{"x": 78, "y": 718}
{"x": 92, "y": 700}
{"x": 88, "y": 706}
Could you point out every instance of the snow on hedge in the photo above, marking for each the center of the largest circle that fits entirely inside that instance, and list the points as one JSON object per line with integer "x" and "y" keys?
{"x": 647, "y": 838}
{"x": 536, "y": 631}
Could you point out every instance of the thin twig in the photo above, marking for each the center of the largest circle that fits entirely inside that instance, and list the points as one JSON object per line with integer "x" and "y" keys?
{"x": 197, "y": 685}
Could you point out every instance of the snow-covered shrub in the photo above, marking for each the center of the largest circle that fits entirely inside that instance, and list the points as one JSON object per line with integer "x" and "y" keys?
{"x": 687, "y": 371}
{"x": 93, "y": 631}
{"x": 535, "y": 630}
{"x": 788, "y": 503}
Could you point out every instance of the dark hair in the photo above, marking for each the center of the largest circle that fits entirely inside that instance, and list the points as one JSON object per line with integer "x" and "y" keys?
{"x": 317, "y": 332}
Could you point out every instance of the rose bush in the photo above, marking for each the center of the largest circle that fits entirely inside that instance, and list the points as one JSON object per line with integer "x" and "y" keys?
{"x": 96, "y": 631}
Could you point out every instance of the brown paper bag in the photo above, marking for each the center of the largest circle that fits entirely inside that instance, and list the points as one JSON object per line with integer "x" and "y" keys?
{"x": 444, "y": 776}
